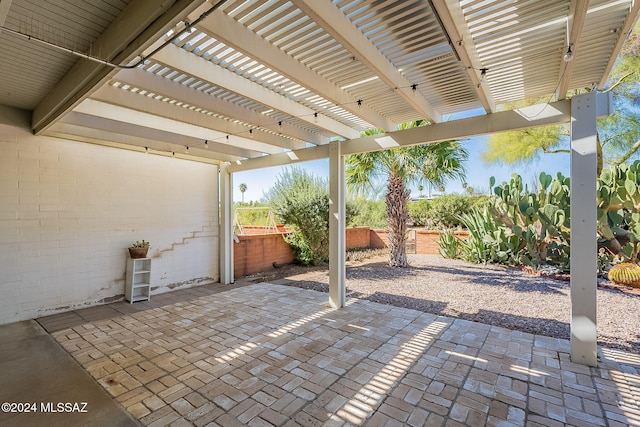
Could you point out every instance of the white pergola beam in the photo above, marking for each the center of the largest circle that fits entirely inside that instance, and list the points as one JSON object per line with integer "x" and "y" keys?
{"x": 14, "y": 116}
{"x": 120, "y": 105}
{"x": 160, "y": 85}
{"x": 328, "y": 16}
{"x": 534, "y": 116}
{"x": 455, "y": 26}
{"x": 97, "y": 127}
{"x": 284, "y": 158}
{"x": 623, "y": 32}
{"x": 229, "y": 31}
{"x": 139, "y": 25}
{"x": 5, "y": 5}
{"x": 127, "y": 99}
{"x": 576, "y": 20}
{"x": 522, "y": 118}
{"x": 207, "y": 71}
{"x": 124, "y": 142}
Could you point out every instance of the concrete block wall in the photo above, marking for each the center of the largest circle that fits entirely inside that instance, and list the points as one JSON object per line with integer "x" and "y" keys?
{"x": 255, "y": 253}
{"x": 427, "y": 241}
{"x": 358, "y": 237}
{"x": 378, "y": 238}
{"x": 69, "y": 210}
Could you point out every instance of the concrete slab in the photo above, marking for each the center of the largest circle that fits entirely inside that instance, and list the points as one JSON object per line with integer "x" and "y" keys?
{"x": 37, "y": 375}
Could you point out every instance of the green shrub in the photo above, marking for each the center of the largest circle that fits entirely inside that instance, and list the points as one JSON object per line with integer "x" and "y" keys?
{"x": 301, "y": 249}
{"x": 450, "y": 245}
{"x": 301, "y": 201}
{"x": 370, "y": 213}
{"x": 443, "y": 212}
{"x": 489, "y": 241}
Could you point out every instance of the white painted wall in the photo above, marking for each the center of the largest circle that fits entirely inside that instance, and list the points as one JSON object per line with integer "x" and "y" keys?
{"x": 69, "y": 210}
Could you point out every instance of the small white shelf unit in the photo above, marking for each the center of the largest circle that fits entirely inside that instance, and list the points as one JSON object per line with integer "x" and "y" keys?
{"x": 138, "y": 280}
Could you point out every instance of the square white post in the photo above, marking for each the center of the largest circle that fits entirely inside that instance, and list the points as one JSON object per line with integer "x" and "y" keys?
{"x": 337, "y": 226}
{"x": 583, "y": 229}
{"x": 226, "y": 225}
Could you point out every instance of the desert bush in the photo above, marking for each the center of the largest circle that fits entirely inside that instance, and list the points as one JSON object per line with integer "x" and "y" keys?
{"x": 301, "y": 201}
{"x": 443, "y": 212}
{"x": 370, "y": 213}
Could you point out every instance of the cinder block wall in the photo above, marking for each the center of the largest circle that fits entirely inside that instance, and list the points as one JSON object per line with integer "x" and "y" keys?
{"x": 358, "y": 237}
{"x": 69, "y": 210}
{"x": 379, "y": 238}
{"x": 428, "y": 241}
{"x": 255, "y": 253}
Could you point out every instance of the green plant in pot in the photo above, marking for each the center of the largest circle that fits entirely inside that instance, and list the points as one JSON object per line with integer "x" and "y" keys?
{"x": 139, "y": 249}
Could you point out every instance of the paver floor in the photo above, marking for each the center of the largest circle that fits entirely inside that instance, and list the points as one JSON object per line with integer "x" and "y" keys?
{"x": 268, "y": 354}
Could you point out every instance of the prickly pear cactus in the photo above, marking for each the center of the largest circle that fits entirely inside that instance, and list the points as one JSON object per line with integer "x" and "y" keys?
{"x": 540, "y": 220}
{"x": 626, "y": 274}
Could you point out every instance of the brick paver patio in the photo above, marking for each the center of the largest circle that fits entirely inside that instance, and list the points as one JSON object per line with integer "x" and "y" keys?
{"x": 269, "y": 354}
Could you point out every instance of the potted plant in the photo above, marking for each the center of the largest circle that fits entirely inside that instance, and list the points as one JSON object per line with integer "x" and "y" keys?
{"x": 139, "y": 249}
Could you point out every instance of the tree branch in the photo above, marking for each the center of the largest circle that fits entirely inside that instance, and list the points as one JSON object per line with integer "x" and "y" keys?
{"x": 628, "y": 154}
{"x": 544, "y": 150}
{"x": 619, "y": 82}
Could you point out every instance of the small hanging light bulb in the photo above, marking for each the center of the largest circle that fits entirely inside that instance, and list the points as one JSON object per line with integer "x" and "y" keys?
{"x": 251, "y": 133}
{"x": 146, "y": 150}
{"x": 280, "y": 126}
{"x": 186, "y": 148}
{"x": 206, "y": 143}
{"x": 227, "y": 137}
{"x": 359, "y": 103}
{"x": 315, "y": 117}
{"x": 173, "y": 154}
{"x": 568, "y": 56}
{"x": 414, "y": 88}
{"x": 483, "y": 74}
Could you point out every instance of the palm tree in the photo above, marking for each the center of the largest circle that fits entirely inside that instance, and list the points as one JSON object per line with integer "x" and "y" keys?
{"x": 434, "y": 163}
{"x": 243, "y": 188}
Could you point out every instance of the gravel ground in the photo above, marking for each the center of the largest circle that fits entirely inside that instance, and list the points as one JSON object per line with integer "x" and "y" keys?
{"x": 489, "y": 294}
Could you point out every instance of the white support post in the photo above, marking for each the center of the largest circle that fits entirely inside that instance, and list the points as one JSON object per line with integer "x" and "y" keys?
{"x": 226, "y": 225}
{"x": 337, "y": 226}
{"x": 583, "y": 229}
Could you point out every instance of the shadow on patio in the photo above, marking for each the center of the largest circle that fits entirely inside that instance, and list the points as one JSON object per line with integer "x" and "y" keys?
{"x": 267, "y": 354}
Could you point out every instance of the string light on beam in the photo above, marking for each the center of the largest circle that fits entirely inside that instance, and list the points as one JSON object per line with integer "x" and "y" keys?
{"x": 316, "y": 117}
{"x": 568, "y": 56}
{"x": 483, "y": 74}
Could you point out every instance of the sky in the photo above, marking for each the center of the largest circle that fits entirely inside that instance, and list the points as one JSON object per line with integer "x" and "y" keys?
{"x": 477, "y": 171}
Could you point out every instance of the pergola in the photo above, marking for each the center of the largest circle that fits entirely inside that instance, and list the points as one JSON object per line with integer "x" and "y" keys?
{"x": 247, "y": 84}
